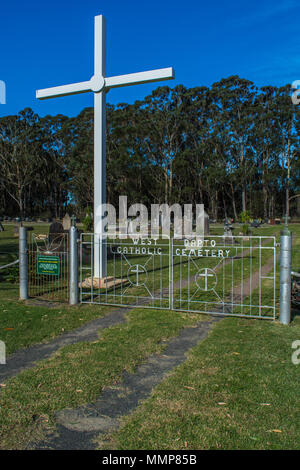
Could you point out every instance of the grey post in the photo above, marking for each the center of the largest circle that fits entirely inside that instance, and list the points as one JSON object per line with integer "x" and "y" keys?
{"x": 73, "y": 266}
{"x": 285, "y": 277}
{"x": 23, "y": 263}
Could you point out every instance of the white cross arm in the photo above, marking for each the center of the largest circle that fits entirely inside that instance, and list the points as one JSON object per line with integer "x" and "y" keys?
{"x": 64, "y": 90}
{"x": 141, "y": 77}
{"x": 97, "y": 83}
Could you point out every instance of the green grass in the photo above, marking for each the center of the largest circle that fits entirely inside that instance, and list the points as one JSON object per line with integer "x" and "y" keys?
{"x": 76, "y": 374}
{"x": 237, "y": 390}
{"x": 22, "y": 324}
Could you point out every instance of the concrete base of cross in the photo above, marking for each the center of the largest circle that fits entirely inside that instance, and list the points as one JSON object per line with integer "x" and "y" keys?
{"x": 103, "y": 282}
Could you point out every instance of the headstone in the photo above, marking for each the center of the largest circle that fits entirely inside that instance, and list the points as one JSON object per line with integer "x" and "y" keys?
{"x": 56, "y": 227}
{"x": 228, "y": 235}
{"x": 56, "y": 231}
{"x": 228, "y": 231}
{"x": 206, "y": 224}
{"x": 255, "y": 223}
{"x": 67, "y": 222}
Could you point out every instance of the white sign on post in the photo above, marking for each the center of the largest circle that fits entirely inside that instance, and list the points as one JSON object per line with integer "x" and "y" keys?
{"x": 99, "y": 84}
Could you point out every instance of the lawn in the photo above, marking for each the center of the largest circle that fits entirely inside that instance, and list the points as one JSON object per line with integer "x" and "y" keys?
{"x": 76, "y": 374}
{"x": 238, "y": 388}
{"x": 23, "y": 324}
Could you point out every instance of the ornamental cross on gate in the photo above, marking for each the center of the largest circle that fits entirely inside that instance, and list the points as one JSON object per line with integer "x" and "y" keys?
{"x": 99, "y": 84}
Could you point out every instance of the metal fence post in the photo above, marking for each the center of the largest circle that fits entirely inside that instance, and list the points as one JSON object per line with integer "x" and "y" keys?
{"x": 23, "y": 263}
{"x": 73, "y": 266}
{"x": 285, "y": 277}
{"x": 171, "y": 288}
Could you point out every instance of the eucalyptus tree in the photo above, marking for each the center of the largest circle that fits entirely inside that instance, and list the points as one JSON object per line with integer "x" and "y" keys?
{"x": 78, "y": 157}
{"x": 265, "y": 146}
{"x": 53, "y": 178}
{"x": 287, "y": 115}
{"x": 21, "y": 155}
{"x": 127, "y": 164}
{"x": 163, "y": 127}
{"x": 234, "y": 98}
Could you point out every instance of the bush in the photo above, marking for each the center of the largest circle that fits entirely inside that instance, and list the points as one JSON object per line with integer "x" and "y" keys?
{"x": 246, "y": 230}
{"x": 88, "y": 221}
{"x": 245, "y": 217}
{"x": 10, "y": 274}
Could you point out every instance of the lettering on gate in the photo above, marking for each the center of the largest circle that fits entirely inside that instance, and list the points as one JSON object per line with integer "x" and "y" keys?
{"x": 139, "y": 247}
{"x": 204, "y": 248}
{"x": 193, "y": 248}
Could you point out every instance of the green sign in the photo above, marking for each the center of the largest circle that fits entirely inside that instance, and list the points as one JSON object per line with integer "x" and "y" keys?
{"x": 49, "y": 265}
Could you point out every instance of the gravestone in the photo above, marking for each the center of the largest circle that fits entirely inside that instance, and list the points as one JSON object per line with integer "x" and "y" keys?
{"x": 67, "y": 222}
{"x": 56, "y": 232}
{"x": 206, "y": 224}
{"x": 228, "y": 234}
{"x": 56, "y": 227}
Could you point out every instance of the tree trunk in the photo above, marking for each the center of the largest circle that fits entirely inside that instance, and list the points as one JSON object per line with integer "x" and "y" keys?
{"x": 233, "y": 204}
{"x": 244, "y": 205}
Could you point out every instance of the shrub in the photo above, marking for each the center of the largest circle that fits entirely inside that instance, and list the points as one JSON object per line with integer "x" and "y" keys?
{"x": 245, "y": 217}
{"x": 88, "y": 221}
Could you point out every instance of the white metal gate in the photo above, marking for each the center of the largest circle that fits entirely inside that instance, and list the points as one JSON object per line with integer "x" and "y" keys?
{"x": 214, "y": 275}
{"x": 138, "y": 272}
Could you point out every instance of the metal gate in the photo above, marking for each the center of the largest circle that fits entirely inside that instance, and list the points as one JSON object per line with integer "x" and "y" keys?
{"x": 226, "y": 275}
{"x": 138, "y": 273}
{"x": 214, "y": 275}
{"x": 48, "y": 266}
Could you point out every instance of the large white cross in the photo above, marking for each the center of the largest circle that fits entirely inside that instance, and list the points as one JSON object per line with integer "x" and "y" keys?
{"x": 99, "y": 84}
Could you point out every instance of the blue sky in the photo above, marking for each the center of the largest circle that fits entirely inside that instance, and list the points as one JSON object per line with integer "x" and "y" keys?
{"x": 50, "y": 43}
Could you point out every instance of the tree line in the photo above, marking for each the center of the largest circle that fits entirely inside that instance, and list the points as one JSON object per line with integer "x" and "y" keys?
{"x": 233, "y": 147}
